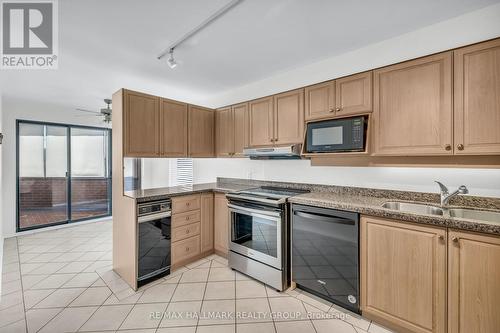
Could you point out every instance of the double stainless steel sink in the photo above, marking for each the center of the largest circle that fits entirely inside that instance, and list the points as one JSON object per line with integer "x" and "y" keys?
{"x": 465, "y": 213}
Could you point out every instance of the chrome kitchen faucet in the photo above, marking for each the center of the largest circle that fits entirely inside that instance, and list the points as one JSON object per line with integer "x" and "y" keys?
{"x": 446, "y": 195}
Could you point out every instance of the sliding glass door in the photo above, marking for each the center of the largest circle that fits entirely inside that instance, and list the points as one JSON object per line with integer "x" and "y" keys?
{"x": 63, "y": 174}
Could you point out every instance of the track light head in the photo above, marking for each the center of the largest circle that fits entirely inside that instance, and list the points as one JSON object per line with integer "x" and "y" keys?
{"x": 171, "y": 61}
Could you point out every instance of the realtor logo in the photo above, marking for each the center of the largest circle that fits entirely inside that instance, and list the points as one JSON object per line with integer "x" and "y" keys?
{"x": 29, "y": 34}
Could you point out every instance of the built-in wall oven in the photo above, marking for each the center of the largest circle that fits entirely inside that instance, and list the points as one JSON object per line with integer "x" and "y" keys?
{"x": 154, "y": 224}
{"x": 259, "y": 234}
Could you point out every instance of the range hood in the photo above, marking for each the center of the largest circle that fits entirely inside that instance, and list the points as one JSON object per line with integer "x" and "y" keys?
{"x": 274, "y": 153}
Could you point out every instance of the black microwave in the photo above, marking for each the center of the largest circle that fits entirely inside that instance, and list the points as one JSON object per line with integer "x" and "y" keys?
{"x": 337, "y": 135}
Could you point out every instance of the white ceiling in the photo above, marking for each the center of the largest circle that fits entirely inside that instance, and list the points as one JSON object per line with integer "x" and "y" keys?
{"x": 109, "y": 44}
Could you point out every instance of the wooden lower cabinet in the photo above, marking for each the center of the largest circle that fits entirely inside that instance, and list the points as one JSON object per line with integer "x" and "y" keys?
{"x": 473, "y": 283}
{"x": 185, "y": 249}
{"x": 207, "y": 222}
{"x": 192, "y": 227}
{"x": 403, "y": 275}
{"x": 221, "y": 224}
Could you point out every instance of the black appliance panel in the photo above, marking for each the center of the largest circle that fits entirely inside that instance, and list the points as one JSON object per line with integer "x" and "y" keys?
{"x": 336, "y": 135}
{"x": 325, "y": 254}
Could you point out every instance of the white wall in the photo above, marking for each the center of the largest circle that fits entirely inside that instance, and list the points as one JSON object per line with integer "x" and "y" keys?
{"x": 155, "y": 172}
{"x": 466, "y": 29}
{"x": 482, "y": 182}
{"x": 27, "y": 110}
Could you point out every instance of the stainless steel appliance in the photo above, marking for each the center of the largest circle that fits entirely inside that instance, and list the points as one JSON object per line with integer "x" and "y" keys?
{"x": 325, "y": 254}
{"x": 153, "y": 223}
{"x": 337, "y": 135}
{"x": 259, "y": 235}
{"x": 268, "y": 153}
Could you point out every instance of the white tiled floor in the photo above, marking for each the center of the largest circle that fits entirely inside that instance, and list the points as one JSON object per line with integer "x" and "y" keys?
{"x": 61, "y": 281}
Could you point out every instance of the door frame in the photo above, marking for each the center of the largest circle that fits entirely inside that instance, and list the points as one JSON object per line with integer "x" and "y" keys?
{"x": 68, "y": 173}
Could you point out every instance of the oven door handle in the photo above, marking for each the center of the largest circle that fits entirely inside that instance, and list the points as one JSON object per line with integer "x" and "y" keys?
{"x": 254, "y": 212}
{"x": 256, "y": 199}
{"x": 152, "y": 217}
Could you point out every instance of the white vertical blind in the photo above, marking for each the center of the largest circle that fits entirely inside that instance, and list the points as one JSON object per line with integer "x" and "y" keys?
{"x": 184, "y": 171}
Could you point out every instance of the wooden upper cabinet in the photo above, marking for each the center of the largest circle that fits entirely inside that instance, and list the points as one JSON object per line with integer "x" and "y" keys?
{"x": 201, "y": 138}
{"x": 473, "y": 283}
{"x": 260, "y": 122}
{"x": 240, "y": 118}
{"x": 412, "y": 111}
{"x": 353, "y": 94}
{"x": 403, "y": 275}
{"x": 141, "y": 125}
{"x": 174, "y": 127}
{"x": 320, "y": 101}
{"x": 224, "y": 132}
{"x": 289, "y": 117}
{"x": 477, "y": 99}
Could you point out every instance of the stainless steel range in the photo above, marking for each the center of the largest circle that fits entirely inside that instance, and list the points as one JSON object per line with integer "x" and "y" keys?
{"x": 259, "y": 239}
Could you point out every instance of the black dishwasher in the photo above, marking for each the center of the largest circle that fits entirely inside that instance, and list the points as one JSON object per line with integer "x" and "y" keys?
{"x": 325, "y": 254}
{"x": 154, "y": 224}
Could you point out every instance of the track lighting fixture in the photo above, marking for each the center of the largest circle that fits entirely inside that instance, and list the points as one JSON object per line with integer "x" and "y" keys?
{"x": 170, "y": 50}
{"x": 171, "y": 61}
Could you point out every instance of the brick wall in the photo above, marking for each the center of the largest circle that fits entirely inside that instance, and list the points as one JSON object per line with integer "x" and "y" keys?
{"x": 49, "y": 192}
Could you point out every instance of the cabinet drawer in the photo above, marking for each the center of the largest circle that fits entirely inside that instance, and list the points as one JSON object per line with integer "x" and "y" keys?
{"x": 185, "y": 218}
{"x": 185, "y": 249}
{"x": 185, "y": 203}
{"x": 186, "y": 231}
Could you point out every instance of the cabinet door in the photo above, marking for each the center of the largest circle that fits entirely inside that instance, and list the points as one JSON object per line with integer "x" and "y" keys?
{"x": 289, "y": 117}
{"x": 473, "y": 285}
{"x": 320, "y": 101}
{"x": 353, "y": 94}
{"x": 260, "y": 118}
{"x": 413, "y": 107}
{"x": 141, "y": 125}
{"x": 221, "y": 224}
{"x": 224, "y": 125}
{"x": 403, "y": 275}
{"x": 477, "y": 99}
{"x": 207, "y": 222}
{"x": 173, "y": 120}
{"x": 201, "y": 124}
{"x": 240, "y": 128}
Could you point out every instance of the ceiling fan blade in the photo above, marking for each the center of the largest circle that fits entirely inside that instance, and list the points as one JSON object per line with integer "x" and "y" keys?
{"x": 89, "y": 111}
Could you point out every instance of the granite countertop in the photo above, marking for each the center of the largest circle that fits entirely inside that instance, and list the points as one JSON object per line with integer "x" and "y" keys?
{"x": 366, "y": 201}
{"x": 167, "y": 192}
{"x": 372, "y": 205}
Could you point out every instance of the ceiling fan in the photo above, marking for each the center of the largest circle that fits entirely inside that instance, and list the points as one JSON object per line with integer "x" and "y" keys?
{"x": 104, "y": 112}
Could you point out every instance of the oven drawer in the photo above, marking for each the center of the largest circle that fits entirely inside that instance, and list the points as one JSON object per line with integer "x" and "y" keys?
{"x": 185, "y": 249}
{"x": 186, "y": 231}
{"x": 185, "y": 203}
{"x": 179, "y": 220}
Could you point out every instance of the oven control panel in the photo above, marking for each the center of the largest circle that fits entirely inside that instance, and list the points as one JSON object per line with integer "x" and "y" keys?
{"x": 153, "y": 207}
